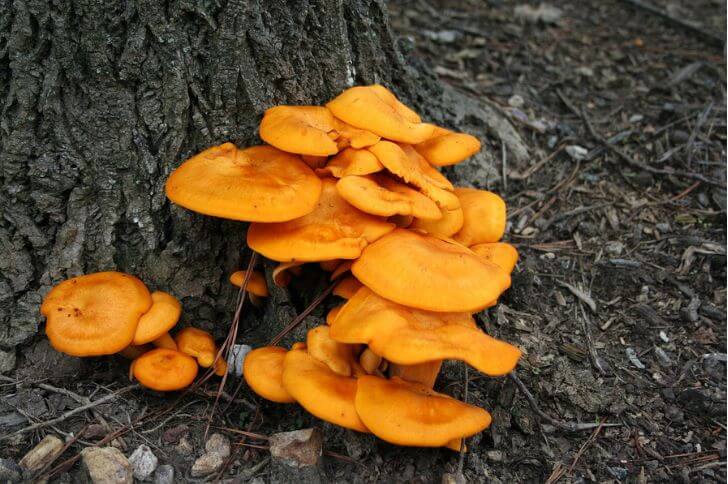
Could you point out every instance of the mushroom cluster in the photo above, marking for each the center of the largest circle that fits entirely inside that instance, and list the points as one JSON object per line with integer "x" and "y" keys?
{"x": 108, "y": 313}
{"x": 354, "y": 186}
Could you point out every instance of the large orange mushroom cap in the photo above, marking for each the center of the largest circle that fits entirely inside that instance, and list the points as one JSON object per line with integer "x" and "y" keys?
{"x": 405, "y": 413}
{"x": 95, "y": 314}
{"x": 425, "y": 272}
{"x": 408, "y": 336}
{"x": 349, "y": 136}
{"x": 376, "y": 109}
{"x": 351, "y": 162}
{"x": 337, "y": 356}
{"x": 299, "y": 129}
{"x": 198, "y": 344}
{"x": 263, "y": 371}
{"x": 484, "y": 216}
{"x": 446, "y": 148}
{"x": 384, "y": 196}
{"x": 164, "y": 370}
{"x": 501, "y": 254}
{"x": 347, "y": 287}
{"x": 334, "y": 230}
{"x": 161, "y": 317}
{"x": 257, "y": 184}
{"x": 320, "y": 391}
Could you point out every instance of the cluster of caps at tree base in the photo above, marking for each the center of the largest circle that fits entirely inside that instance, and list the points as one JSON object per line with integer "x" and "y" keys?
{"x": 354, "y": 186}
{"x": 108, "y": 313}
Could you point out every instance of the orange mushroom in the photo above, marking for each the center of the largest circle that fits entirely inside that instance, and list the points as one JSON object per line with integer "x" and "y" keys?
{"x": 484, "y": 216}
{"x": 337, "y": 356}
{"x": 376, "y": 109}
{"x": 282, "y": 273}
{"x": 257, "y": 286}
{"x": 257, "y": 184}
{"x": 95, "y": 314}
{"x": 263, "y": 371}
{"x": 132, "y": 352}
{"x": 408, "y": 336}
{"x": 320, "y": 391}
{"x": 344, "y": 266}
{"x": 349, "y": 136}
{"x": 331, "y": 315}
{"x": 165, "y": 341}
{"x": 445, "y": 147}
{"x": 422, "y": 373}
{"x": 351, "y": 162}
{"x": 161, "y": 317}
{"x": 448, "y": 224}
{"x": 347, "y": 287}
{"x": 299, "y": 129}
{"x": 405, "y": 413}
{"x": 369, "y": 361}
{"x": 198, "y": 344}
{"x": 329, "y": 265}
{"x": 334, "y": 230}
{"x": 501, "y": 254}
{"x": 384, "y": 196}
{"x": 430, "y": 273}
{"x": 164, "y": 370}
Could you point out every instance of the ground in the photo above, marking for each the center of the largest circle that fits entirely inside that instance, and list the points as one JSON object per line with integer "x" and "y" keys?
{"x": 619, "y": 297}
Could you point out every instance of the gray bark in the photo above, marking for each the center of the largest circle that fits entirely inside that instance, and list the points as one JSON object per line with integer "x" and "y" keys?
{"x": 100, "y": 100}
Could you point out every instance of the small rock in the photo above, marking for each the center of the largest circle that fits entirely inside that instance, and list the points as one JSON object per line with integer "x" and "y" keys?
{"x": 453, "y": 478}
{"x": 636, "y": 118}
{"x": 516, "y": 101}
{"x": 184, "y": 447}
{"x": 95, "y": 432}
{"x": 9, "y": 471}
{"x": 107, "y": 465}
{"x": 207, "y": 464}
{"x": 632, "y": 356}
{"x": 299, "y": 448}
{"x": 42, "y": 454}
{"x": 577, "y": 152}
{"x": 7, "y": 360}
{"x": 442, "y": 36}
{"x": 614, "y": 248}
{"x": 662, "y": 357}
{"x": 218, "y": 444}
{"x": 543, "y": 13}
{"x": 585, "y": 71}
{"x": 495, "y": 455}
{"x": 143, "y": 462}
{"x": 236, "y": 358}
{"x": 164, "y": 474}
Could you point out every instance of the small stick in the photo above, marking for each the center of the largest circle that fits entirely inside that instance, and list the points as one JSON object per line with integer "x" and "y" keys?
{"x": 586, "y": 444}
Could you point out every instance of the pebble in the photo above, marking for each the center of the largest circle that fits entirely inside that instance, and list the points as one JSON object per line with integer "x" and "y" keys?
{"x": 42, "y": 454}
{"x": 143, "y": 462}
{"x": 495, "y": 455}
{"x": 164, "y": 474}
{"x": 632, "y": 356}
{"x": 453, "y": 478}
{"x": 299, "y": 448}
{"x": 576, "y": 152}
{"x": 217, "y": 450}
{"x": 174, "y": 434}
{"x": 516, "y": 101}
{"x": 107, "y": 465}
{"x": 218, "y": 444}
{"x": 184, "y": 447}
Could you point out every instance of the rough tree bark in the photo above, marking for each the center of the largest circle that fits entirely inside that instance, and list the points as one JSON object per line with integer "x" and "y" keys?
{"x": 100, "y": 100}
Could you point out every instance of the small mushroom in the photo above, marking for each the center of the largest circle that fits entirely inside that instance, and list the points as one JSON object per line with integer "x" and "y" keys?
{"x": 331, "y": 315}
{"x": 257, "y": 288}
{"x": 320, "y": 391}
{"x": 257, "y": 184}
{"x": 299, "y": 129}
{"x": 351, "y": 162}
{"x": 282, "y": 272}
{"x": 376, "y": 109}
{"x": 334, "y": 230}
{"x": 446, "y": 148}
{"x": 164, "y": 370}
{"x": 198, "y": 344}
{"x": 431, "y": 273}
{"x": 263, "y": 371}
{"x": 165, "y": 341}
{"x": 132, "y": 352}
{"x": 484, "y": 216}
{"x": 95, "y": 314}
{"x": 161, "y": 317}
{"x": 501, "y": 254}
{"x": 422, "y": 373}
{"x": 411, "y": 414}
{"x": 384, "y": 196}
{"x": 347, "y": 287}
{"x": 370, "y": 361}
{"x": 337, "y": 356}
{"x": 447, "y": 225}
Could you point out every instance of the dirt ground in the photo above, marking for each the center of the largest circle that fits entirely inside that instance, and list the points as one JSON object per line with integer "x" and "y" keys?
{"x": 619, "y": 298}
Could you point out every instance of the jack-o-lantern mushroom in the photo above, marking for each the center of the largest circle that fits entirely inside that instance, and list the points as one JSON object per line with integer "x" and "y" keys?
{"x": 446, "y": 147}
{"x": 351, "y": 161}
{"x": 164, "y": 370}
{"x": 200, "y": 345}
{"x": 257, "y": 287}
{"x": 257, "y": 184}
{"x": 154, "y": 325}
{"x": 263, "y": 371}
{"x": 95, "y": 314}
{"x": 484, "y": 216}
{"x": 501, "y": 254}
{"x": 333, "y": 230}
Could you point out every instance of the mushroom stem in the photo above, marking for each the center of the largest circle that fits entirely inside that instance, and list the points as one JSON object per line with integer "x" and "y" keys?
{"x": 132, "y": 352}
{"x": 165, "y": 341}
{"x": 424, "y": 373}
{"x": 370, "y": 361}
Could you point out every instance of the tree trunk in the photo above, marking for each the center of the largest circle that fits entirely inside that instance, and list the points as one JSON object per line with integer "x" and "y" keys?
{"x": 100, "y": 100}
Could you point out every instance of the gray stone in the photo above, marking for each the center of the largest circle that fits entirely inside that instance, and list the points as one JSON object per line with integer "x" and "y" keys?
{"x": 218, "y": 444}
{"x": 42, "y": 454}
{"x": 299, "y": 448}
{"x": 453, "y": 478}
{"x": 7, "y": 360}
{"x": 184, "y": 447}
{"x": 164, "y": 474}
{"x": 107, "y": 465}
{"x": 9, "y": 471}
{"x": 207, "y": 464}
{"x": 495, "y": 455}
{"x": 544, "y": 13}
{"x": 143, "y": 462}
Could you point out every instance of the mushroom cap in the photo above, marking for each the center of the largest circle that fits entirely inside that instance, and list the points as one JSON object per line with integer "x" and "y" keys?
{"x": 347, "y": 287}
{"x": 425, "y": 272}
{"x": 448, "y": 224}
{"x": 197, "y": 343}
{"x": 405, "y": 413}
{"x": 257, "y": 184}
{"x": 407, "y": 164}
{"x": 376, "y": 109}
{"x": 337, "y": 356}
{"x": 95, "y": 314}
{"x": 349, "y": 136}
{"x": 384, "y": 196}
{"x": 334, "y": 230}
{"x": 161, "y": 317}
{"x": 320, "y": 391}
{"x": 282, "y": 273}
{"x": 165, "y": 341}
{"x": 164, "y": 370}
{"x": 331, "y": 315}
{"x": 299, "y": 129}
{"x": 263, "y": 371}
{"x": 351, "y": 162}
{"x": 501, "y": 254}
{"x": 256, "y": 284}
{"x": 408, "y": 336}
{"x": 446, "y": 148}
{"x": 484, "y": 216}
